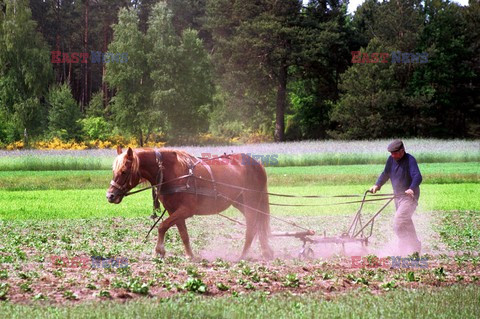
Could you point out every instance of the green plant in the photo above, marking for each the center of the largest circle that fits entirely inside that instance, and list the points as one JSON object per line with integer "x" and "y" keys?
{"x": 3, "y": 274}
{"x": 64, "y": 113}
{"x": 96, "y": 128}
{"x": 410, "y": 276}
{"x": 25, "y": 287}
{"x": 291, "y": 280}
{"x": 70, "y": 295}
{"x": 439, "y": 273}
{"x": 195, "y": 285}
{"x": 104, "y": 293}
{"x": 192, "y": 271}
{"x": 39, "y": 296}
{"x": 326, "y": 276}
{"x": 4, "y": 287}
{"x": 135, "y": 285}
{"x": 91, "y": 286}
{"x": 222, "y": 286}
{"x": 389, "y": 285}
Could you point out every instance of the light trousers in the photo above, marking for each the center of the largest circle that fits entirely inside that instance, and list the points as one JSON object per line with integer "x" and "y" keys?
{"x": 408, "y": 242}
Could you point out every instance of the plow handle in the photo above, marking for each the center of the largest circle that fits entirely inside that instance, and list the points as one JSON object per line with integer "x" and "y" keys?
{"x": 295, "y": 234}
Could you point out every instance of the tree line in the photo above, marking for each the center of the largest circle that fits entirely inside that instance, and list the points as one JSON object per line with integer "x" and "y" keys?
{"x": 283, "y": 68}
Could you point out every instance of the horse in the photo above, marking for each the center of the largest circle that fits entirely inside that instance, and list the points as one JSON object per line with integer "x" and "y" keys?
{"x": 194, "y": 186}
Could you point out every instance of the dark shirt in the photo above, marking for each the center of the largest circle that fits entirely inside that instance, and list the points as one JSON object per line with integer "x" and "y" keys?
{"x": 404, "y": 175}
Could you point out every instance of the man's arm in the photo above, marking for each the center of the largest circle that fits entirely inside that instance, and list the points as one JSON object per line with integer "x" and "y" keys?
{"x": 414, "y": 173}
{"x": 383, "y": 178}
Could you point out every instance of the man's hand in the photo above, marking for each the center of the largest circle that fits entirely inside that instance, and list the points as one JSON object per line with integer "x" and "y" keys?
{"x": 374, "y": 189}
{"x": 409, "y": 192}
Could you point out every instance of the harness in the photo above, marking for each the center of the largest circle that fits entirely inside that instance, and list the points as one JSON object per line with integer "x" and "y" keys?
{"x": 158, "y": 190}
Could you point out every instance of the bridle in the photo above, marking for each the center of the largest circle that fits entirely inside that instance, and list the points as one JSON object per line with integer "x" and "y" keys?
{"x": 123, "y": 188}
{"x": 124, "y": 191}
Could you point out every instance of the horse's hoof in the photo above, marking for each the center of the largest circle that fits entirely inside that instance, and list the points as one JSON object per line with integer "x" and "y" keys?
{"x": 268, "y": 255}
{"x": 158, "y": 254}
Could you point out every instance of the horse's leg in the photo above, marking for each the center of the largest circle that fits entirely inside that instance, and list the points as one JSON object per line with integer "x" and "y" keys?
{"x": 182, "y": 229}
{"x": 250, "y": 233}
{"x": 174, "y": 218}
{"x": 251, "y": 226}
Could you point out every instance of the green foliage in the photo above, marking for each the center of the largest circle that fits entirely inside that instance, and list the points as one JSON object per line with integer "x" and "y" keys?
{"x": 95, "y": 107}
{"x": 369, "y": 107}
{"x": 183, "y": 86}
{"x": 239, "y": 67}
{"x": 256, "y": 78}
{"x": 64, "y": 113}
{"x": 70, "y": 295}
{"x": 222, "y": 286}
{"x": 447, "y": 77}
{"x": 96, "y": 128}
{"x": 195, "y": 285}
{"x": 25, "y": 71}
{"x": 4, "y": 288}
{"x": 291, "y": 280}
{"x": 131, "y": 107}
{"x": 310, "y": 118}
{"x": 460, "y": 230}
{"x": 164, "y": 85}
{"x": 410, "y": 276}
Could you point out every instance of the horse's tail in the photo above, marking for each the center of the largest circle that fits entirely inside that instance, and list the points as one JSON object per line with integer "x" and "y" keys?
{"x": 263, "y": 222}
{"x": 264, "y": 216}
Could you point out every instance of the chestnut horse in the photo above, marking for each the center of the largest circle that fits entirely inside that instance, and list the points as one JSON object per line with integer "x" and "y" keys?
{"x": 240, "y": 183}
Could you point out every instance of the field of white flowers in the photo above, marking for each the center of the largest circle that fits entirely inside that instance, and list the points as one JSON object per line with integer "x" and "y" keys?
{"x": 297, "y": 148}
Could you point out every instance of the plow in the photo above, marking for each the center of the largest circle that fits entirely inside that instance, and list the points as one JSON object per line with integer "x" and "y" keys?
{"x": 358, "y": 232}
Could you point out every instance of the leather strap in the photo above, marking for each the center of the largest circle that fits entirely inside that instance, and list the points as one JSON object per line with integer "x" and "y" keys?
{"x": 156, "y": 191}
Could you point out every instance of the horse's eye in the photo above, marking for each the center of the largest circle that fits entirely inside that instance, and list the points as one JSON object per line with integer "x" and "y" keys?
{"x": 123, "y": 173}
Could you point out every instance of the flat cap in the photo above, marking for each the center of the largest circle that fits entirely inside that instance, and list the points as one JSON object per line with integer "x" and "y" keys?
{"x": 396, "y": 145}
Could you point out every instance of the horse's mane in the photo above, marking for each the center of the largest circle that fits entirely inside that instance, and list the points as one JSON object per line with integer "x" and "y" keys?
{"x": 184, "y": 159}
{"x": 120, "y": 161}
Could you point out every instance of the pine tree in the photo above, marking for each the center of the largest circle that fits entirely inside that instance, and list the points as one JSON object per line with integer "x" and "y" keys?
{"x": 25, "y": 69}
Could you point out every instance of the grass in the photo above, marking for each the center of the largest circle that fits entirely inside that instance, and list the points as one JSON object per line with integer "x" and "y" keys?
{"x": 435, "y": 173}
{"x": 55, "y": 205}
{"x": 54, "y": 163}
{"x": 460, "y": 230}
{"x": 103, "y": 162}
{"x": 448, "y": 302}
{"x": 91, "y": 203}
{"x": 375, "y": 158}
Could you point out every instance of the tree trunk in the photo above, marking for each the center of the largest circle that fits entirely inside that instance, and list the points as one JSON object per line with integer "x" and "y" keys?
{"x": 104, "y": 66}
{"x": 85, "y": 46}
{"x": 140, "y": 137}
{"x": 281, "y": 104}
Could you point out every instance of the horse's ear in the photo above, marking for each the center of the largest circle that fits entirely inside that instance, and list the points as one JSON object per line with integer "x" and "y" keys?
{"x": 119, "y": 150}
{"x": 130, "y": 152}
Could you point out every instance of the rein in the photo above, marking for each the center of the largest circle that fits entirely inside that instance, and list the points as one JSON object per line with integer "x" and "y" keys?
{"x": 190, "y": 174}
{"x": 156, "y": 192}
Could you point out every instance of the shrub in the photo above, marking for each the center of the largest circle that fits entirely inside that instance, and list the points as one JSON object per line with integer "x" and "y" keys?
{"x": 64, "y": 114}
{"x": 96, "y": 128}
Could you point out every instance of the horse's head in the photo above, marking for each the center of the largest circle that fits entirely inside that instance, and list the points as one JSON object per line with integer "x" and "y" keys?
{"x": 126, "y": 175}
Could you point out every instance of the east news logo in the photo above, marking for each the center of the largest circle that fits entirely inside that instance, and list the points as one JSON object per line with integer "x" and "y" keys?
{"x": 382, "y": 57}
{"x": 81, "y": 57}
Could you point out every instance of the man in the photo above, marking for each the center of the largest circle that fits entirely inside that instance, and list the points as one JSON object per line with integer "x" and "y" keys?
{"x": 402, "y": 170}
